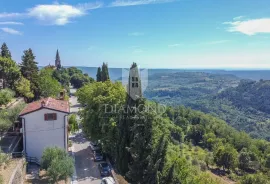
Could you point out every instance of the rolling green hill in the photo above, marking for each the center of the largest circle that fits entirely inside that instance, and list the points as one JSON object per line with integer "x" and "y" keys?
{"x": 244, "y": 104}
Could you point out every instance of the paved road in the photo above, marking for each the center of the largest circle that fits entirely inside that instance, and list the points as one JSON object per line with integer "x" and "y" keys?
{"x": 86, "y": 169}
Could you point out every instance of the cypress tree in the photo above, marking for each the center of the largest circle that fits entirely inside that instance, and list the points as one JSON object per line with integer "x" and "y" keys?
{"x": 57, "y": 60}
{"x": 135, "y": 139}
{"x": 99, "y": 77}
{"x": 156, "y": 162}
{"x": 5, "y": 53}
{"x": 105, "y": 72}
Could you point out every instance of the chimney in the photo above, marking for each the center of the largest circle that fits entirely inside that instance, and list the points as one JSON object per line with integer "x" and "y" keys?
{"x": 62, "y": 95}
{"x": 43, "y": 103}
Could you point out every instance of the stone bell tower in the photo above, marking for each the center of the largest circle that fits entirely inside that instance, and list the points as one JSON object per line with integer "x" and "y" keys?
{"x": 57, "y": 60}
{"x": 134, "y": 83}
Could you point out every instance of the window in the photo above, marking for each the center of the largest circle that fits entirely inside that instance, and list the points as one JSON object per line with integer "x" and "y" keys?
{"x": 50, "y": 116}
{"x": 135, "y": 82}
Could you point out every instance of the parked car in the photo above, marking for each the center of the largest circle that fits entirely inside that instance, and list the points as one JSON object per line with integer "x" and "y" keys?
{"x": 98, "y": 155}
{"x": 104, "y": 169}
{"x": 107, "y": 180}
{"x": 94, "y": 146}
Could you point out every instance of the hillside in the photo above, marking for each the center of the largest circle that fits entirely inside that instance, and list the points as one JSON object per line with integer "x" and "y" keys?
{"x": 245, "y": 106}
{"x": 183, "y": 87}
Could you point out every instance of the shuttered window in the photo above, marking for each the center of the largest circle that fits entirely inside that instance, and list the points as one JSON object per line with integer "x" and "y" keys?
{"x": 50, "y": 116}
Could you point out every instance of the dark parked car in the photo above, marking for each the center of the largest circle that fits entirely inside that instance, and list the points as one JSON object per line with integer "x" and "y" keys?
{"x": 94, "y": 146}
{"x": 104, "y": 169}
{"x": 98, "y": 155}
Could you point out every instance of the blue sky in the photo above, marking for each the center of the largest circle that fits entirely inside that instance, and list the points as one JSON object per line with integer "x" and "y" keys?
{"x": 153, "y": 33}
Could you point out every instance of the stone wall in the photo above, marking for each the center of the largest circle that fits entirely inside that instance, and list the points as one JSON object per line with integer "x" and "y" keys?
{"x": 17, "y": 176}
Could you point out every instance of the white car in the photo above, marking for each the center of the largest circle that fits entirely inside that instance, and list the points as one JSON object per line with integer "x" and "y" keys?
{"x": 107, "y": 180}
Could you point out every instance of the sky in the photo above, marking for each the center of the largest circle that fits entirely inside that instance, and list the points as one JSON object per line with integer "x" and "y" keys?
{"x": 153, "y": 33}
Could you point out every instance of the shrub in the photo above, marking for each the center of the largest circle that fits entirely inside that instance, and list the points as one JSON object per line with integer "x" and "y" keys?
{"x": 195, "y": 162}
{"x": 3, "y": 158}
{"x": 69, "y": 143}
{"x": 5, "y": 96}
{"x": 203, "y": 166}
{"x": 73, "y": 123}
{"x": 233, "y": 176}
{"x": 58, "y": 164}
{"x": 254, "y": 178}
{"x": 49, "y": 154}
{"x": 60, "y": 169}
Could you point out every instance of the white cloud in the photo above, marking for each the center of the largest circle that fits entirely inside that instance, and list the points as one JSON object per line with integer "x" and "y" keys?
{"x": 136, "y": 34}
{"x": 90, "y": 6}
{"x": 11, "y": 31}
{"x": 137, "y": 2}
{"x": 175, "y": 45}
{"x": 55, "y": 14}
{"x": 9, "y": 15}
{"x": 11, "y": 23}
{"x": 250, "y": 27}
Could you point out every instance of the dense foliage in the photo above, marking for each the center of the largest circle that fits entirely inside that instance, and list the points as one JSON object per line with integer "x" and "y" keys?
{"x": 244, "y": 106}
{"x": 27, "y": 81}
{"x": 6, "y": 96}
{"x": 177, "y": 145}
{"x": 9, "y": 116}
{"x": 77, "y": 78}
{"x": 9, "y": 72}
{"x": 48, "y": 86}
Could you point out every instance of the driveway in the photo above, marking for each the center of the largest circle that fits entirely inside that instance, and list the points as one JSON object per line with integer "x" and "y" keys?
{"x": 86, "y": 169}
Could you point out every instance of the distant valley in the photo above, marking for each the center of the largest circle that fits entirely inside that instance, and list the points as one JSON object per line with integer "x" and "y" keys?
{"x": 217, "y": 92}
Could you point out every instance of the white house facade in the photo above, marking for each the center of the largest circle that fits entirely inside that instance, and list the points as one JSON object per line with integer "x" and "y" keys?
{"x": 44, "y": 124}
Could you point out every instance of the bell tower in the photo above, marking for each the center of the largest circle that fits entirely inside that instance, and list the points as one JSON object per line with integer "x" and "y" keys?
{"x": 57, "y": 60}
{"x": 134, "y": 83}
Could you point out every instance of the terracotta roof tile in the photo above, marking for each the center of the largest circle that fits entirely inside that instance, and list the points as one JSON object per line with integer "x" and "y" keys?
{"x": 49, "y": 103}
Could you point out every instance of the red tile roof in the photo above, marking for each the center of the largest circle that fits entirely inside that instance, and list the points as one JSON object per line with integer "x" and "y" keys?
{"x": 49, "y": 103}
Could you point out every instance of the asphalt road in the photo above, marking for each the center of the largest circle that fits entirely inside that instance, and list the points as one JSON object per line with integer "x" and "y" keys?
{"x": 86, "y": 169}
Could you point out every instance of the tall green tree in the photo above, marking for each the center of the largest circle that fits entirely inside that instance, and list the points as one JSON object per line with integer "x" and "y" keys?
{"x": 156, "y": 162}
{"x": 99, "y": 76}
{"x": 5, "y": 53}
{"x": 29, "y": 70}
{"x": 105, "y": 72}
{"x": 140, "y": 147}
{"x": 29, "y": 66}
{"x": 9, "y": 71}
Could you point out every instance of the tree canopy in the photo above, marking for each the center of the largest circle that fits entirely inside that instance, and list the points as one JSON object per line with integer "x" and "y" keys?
{"x": 5, "y": 53}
